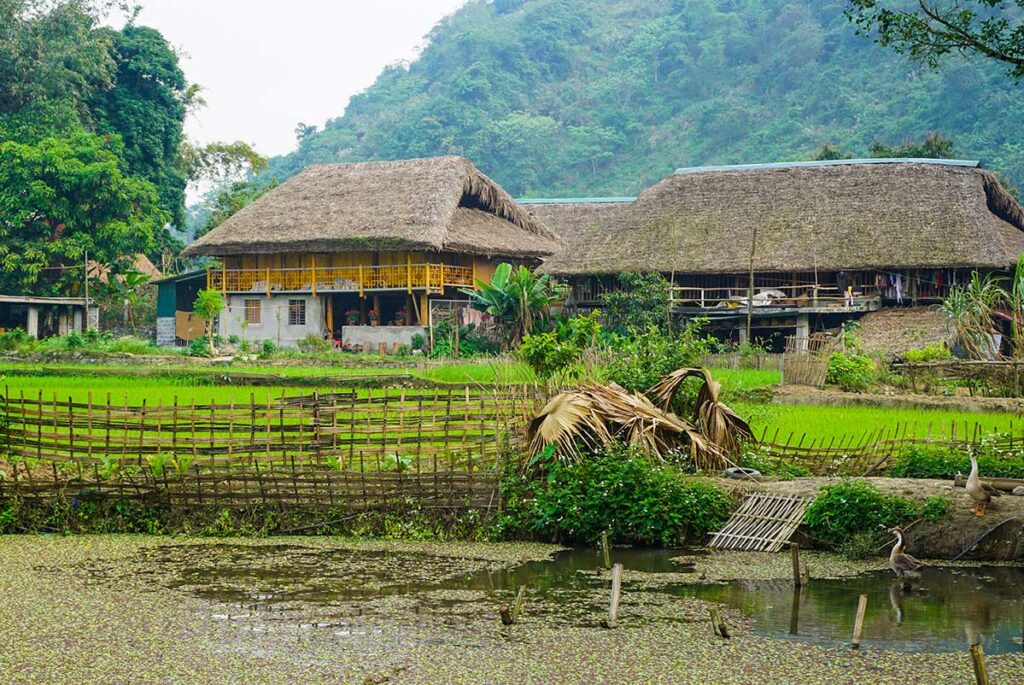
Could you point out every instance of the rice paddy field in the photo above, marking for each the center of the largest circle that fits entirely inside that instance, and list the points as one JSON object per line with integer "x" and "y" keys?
{"x": 740, "y": 388}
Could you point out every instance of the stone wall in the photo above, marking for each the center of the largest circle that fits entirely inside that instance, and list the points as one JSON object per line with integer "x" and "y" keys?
{"x": 390, "y": 336}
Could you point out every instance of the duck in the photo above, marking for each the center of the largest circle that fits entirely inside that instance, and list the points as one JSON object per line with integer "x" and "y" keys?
{"x": 980, "y": 491}
{"x": 905, "y": 567}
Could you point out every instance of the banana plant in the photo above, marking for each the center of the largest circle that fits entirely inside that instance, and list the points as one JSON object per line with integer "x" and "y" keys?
{"x": 516, "y": 298}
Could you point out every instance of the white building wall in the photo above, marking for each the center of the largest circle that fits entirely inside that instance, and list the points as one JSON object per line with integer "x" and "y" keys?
{"x": 273, "y": 323}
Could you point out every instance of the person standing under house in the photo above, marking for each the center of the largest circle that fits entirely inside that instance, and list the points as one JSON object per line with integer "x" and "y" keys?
{"x": 843, "y": 285}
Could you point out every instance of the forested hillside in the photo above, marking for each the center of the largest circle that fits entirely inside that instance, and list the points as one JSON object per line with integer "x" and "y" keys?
{"x": 595, "y": 97}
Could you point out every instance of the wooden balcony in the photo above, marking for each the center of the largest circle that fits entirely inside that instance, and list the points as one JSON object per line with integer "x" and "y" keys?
{"x": 431, "y": 278}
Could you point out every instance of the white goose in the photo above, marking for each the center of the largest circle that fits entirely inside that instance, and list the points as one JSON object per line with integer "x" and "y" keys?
{"x": 905, "y": 567}
{"x": 980, "y": 491}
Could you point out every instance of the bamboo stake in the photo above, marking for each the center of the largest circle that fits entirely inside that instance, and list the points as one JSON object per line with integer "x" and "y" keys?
{"x": 980, "y": 670}
{"x": 613, "y": 606}
{"x": 604, "y": 549}
{"x": 794, "y": 551}
{"x": 858, "y": 624}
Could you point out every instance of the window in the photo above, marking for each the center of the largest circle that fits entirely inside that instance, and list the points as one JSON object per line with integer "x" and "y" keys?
{"x": 296, "y": 312}
{"x": 253, "y": 312}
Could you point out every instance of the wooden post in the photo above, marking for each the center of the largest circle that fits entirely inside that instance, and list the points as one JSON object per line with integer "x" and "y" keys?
{"x": 313, "y": 274}
{"x": 268, "y": 282}
{"x": 408, "y": 273}
{"x": 980, "y": 670}
{"x": 794, "y": 614}
{"x": 517, "y": 608}
{"x": 858, "y": 624}
{"x": 223, "y": 278}
{"x": 717, "y": 624}
{"x": 794, "y": 551}
{"x": 604, "y": 549}
{"x": 361, "y": 293}
{"x": 613, "y": 606}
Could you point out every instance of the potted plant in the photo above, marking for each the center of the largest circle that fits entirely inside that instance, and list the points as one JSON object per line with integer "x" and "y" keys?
{"x": 400, "y": 317}
{"x": 352, "y": 317}
{"x": 374, "y": 317}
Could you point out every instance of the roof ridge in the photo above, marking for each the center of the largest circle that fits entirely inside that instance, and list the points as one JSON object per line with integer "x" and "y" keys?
{"x": 968, "y": 163}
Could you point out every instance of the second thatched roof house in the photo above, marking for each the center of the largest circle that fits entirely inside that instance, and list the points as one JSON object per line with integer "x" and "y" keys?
{"x": 340, "y": 246}
{"x": 820, "y": 237}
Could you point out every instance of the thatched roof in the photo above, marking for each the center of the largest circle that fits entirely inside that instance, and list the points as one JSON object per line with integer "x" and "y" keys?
{"x": 575, "y": 218}
{"x": 856, "y": 214}
{"x": 436, "y": 204}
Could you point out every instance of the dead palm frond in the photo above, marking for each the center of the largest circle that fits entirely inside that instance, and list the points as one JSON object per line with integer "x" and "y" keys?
{"x": 719, "y": 424}
{"x": 594, "y": 416}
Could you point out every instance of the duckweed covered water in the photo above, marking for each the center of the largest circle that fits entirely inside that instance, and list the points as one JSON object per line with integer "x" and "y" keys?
{"x": 945, "y": 611}
{"x": 326, "y": 588}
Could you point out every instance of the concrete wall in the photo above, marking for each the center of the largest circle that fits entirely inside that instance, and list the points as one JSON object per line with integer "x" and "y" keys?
{"x": 357, "y": 336}
{"x": 273, "y": 319}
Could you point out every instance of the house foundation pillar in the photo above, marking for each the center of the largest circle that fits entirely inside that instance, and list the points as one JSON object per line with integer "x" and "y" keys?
{"x": 803, "y": 331}
{"x": 32, "y": 321}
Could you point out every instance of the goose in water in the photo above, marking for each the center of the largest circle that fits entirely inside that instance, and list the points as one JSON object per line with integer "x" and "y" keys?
{"x": 980, "y": 491}
{"x": 905, "y": 567}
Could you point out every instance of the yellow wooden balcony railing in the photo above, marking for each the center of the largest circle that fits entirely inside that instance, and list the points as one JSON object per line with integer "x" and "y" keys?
{"x": 408, "y": 277}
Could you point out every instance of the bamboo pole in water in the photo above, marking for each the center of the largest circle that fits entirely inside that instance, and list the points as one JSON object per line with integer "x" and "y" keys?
{"x": 858, "y": 625}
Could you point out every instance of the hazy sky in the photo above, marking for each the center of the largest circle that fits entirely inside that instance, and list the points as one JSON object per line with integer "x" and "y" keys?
{"x": 266, "y": 65}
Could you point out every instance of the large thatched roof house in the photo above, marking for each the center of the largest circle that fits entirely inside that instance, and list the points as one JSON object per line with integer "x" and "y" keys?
{"x": 345, "y": 245}
{"x": 826, "y": 237}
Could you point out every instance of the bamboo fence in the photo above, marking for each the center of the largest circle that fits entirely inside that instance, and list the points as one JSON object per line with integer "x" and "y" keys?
{"x": 362, "y": 450}
{"x": 870, "y": 452}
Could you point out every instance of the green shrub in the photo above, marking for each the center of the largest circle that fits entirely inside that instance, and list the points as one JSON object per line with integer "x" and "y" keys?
{"x": 74, "y": 341}
{"x": 944, "y": 462}
{"x": 851, "y": 372}
{"x": 934, "y": 508}
{"x": 315, "y": 344}
{"x": 929, "y": 353}
{"x": 636, "y": 500}
{"x": 13, "y": 339}
{"x": 267, "y": 349}
{"x": 200, "y": 347}
{"x": 234, "y": 339}
{"x": 418, "y": 341}
{"x": 843, "y": 510}
{"x": 643, "y": 356}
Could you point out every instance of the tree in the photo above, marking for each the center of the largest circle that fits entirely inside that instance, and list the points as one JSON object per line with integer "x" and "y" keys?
{"x": 936, "y": 28}
{"x": 208, "y": 305}
{"x": 128, "y": 287}
{"x": 231, "y": 199}
{"x": 50, "y": 52}
{"x": 831, "y": 151}
{"x": 934, "y": 146}
{"x": 517, "y": 299}
{"x": 63, "y": 197}
{"x": 146, "y": 106}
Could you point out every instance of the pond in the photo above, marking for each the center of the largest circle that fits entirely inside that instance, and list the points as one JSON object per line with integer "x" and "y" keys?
{"x": 945, "y": 611}
{"x": 329, "y": 588}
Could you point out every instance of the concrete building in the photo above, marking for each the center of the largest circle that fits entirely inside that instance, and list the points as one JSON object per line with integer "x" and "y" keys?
{"x": 44, "y": 317}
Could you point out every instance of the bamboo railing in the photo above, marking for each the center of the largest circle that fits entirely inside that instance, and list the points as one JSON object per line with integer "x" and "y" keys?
{"x": 366, "y": 449}
{"x": 408, "y": 277}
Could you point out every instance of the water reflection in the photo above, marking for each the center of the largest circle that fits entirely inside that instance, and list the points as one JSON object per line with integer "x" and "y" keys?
{"x": 946, "y": 611}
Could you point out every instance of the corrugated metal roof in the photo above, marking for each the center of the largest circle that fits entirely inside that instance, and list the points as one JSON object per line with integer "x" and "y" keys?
{"x": 830, "y": 162}
{"x": 571, "y": 200}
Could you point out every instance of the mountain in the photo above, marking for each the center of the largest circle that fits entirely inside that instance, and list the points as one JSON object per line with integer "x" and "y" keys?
{"x": 603, "y": 97}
